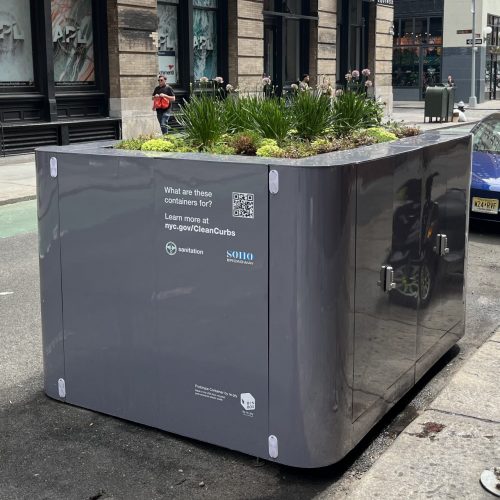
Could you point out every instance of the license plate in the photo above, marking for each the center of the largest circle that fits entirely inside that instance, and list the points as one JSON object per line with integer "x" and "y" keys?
{"x": 485, "y": 205}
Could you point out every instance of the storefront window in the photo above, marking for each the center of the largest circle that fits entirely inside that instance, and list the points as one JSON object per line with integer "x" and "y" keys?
{"x": 168, "y": 40}
{"x": 72, "y": 37}
{"x": 406, "y": 64}
{"x": 205, "y": 39}
{"x": 16, "y": 51}
{"x": 435, "y": 31}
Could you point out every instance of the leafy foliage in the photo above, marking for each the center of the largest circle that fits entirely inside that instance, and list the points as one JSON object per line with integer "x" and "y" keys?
{"x": 311, "y": 111}
{"x": 353, "y": 111}
{"x": 133, "y": 144}
{"x": 269, "y": 147}
{"x": 246, "y": 143}
{"x": 203, "y": 119}
{"x": 269, "y": 117}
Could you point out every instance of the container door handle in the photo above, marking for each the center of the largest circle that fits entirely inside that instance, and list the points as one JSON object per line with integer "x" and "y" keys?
{"x": 441, "y": 247}
{"x": 386, "y": 279}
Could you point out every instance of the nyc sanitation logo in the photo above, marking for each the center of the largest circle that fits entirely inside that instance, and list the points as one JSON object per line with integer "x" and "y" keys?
{"x": 171, "y": 248}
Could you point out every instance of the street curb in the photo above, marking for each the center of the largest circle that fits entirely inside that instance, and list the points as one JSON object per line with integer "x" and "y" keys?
{"x": 17, "y": 200}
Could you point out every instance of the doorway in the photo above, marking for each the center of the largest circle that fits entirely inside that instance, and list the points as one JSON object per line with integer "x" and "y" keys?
{"x": 352, "y": 36}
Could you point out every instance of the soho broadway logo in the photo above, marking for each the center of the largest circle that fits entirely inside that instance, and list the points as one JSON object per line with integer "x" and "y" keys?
{"x": 239, "y": 257}
{"x": 171, "y": 248}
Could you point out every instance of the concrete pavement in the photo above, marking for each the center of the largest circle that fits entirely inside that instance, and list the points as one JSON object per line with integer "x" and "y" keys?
{"x": 443, "y": 452}
{"x": 412, "y": 112}
{"x": 17, "y": 178}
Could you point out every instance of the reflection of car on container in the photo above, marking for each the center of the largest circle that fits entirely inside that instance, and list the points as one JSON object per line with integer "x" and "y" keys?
{"x": 414, "y": 256}
{"x": 485, "y": 186}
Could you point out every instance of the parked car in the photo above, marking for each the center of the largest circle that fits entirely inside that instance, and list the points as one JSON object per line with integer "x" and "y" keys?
{"x": 485, "y": 186}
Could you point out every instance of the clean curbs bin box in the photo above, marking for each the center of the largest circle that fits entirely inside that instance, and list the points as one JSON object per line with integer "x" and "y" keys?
{"x": 436, "y": 103}
{"x": 274, "y": 307}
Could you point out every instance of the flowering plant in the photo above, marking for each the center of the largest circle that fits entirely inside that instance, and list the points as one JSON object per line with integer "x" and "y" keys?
{"x": 219, "y": 80}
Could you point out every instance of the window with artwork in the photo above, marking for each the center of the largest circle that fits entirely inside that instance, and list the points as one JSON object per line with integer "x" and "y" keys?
{"x": 16, "y": 50}
{"x": 73, "y": 44}
{"x": 168, "y": 40}
{"x": 205, "y": 56}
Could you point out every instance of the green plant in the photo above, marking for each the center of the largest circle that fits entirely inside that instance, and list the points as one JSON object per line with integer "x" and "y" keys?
{"x": 353, "y": 111}
{"x": 400, "y": 129}
{"x": 221, "y": 149}
{"x": 237, "y": 115}
{"x": 133, "y": 144}
{"x": 163, "y": 145}
{"x": 311, "y": 113}
{"x": 380, "y": 134}
{"x": 203, "y": 119}
{"x": 269, "y": 117}
{"x": 297, "y": 149}
{"x": 269, "y": 147}
{"x": 246, "y": 143}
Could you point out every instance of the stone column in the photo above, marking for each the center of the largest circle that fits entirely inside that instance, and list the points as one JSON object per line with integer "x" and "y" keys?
{"x": 133, "y": 64}
{"x": 248, "y": 40}
{"x": 326, "y": 42}
{"x": 380, "y": 51}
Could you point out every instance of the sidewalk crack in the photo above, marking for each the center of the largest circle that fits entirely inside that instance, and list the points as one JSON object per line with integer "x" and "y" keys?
{"x": 453, "y": 413}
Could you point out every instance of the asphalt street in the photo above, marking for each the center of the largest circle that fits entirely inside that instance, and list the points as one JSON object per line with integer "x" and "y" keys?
{"x": 49, "y": 450}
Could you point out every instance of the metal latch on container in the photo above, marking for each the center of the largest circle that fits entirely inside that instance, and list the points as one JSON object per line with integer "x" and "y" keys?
{"x": 61, "y": 387}
{"x": 273, "y": 446}
{"x": 53, "y": 167}
{"x": 441, "y": 247}
{"x": 386, "y": 278}
{"x": 274, "y": 182}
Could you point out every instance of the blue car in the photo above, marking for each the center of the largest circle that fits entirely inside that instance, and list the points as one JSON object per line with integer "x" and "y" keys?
{"x": 485, "y": 185}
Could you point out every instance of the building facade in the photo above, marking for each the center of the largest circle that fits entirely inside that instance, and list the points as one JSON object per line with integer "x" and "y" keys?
{"x": 77, "y": 69}
{"x": 432, "y": 39}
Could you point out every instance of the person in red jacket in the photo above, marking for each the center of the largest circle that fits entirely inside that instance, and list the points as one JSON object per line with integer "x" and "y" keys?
{"x": 163, "y": 113}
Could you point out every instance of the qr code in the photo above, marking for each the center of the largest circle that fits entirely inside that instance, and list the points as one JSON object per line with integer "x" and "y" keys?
{"x": 243, "y": 205}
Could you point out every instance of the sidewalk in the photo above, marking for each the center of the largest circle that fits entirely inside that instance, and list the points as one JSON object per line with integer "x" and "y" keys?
{"x": 412, "y": 112}
{"x": 17, "y": 178}
{"x": 443, "y": 452}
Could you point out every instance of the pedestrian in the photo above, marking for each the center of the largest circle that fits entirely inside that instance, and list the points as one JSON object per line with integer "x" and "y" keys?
{"x": 450, "y": 82}
{"x": 163, "y": 97}
{"x": 304, "y": 82}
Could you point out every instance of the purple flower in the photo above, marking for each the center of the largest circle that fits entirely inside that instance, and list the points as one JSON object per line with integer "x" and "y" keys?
{"x": 366, "y": 72}
{"x": 348, "y": 77}
{"x": 368, "y": 83}
{"x": 355, "y": 74}
{"x": 219, "y": 80}
{"x": 266, "y": 81}
{"x": 203, "y": 79}
{"x": 338, "y": 92}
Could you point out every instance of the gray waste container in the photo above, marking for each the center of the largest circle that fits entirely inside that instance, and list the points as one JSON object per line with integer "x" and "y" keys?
{"x": 275, "y": 307}
{"x": 436, "y": 103}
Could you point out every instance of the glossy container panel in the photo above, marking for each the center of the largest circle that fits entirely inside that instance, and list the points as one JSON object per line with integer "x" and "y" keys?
{"x": 268, "y": 319}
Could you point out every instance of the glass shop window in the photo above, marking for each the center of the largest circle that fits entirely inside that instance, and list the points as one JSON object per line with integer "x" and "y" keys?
{"x": 205, "y": 53}
{"x": 168, "y": 40}
{"x": 72, "y": 37}
{"x": 16, "y": 49}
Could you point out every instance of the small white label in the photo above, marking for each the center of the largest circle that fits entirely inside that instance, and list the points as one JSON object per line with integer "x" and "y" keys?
{"x": 274, "y": 182}
{"x": 247, "y": 401}
{"x": 273, "y": 446}
{"x": 53, "y": 167}
{"x": 61, "y": 385}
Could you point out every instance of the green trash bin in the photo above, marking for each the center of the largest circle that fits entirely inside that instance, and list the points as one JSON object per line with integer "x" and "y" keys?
{"x": 436, "y": 103}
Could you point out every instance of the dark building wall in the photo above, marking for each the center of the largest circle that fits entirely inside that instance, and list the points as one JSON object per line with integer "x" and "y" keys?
{"x": 410, "y": 8}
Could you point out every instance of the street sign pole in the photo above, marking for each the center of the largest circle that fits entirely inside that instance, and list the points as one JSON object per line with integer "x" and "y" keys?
{"x": 472, "y": 98}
